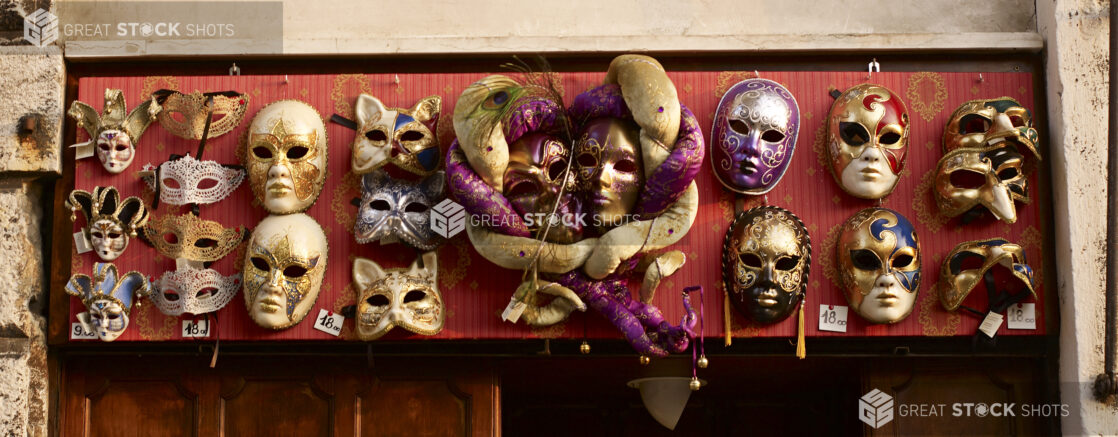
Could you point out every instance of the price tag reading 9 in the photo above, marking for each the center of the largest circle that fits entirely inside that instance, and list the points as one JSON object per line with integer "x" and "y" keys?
{"x": 78, "y": 332}
{"x": 329, "y": 322}
{"x": 195, "y": 328}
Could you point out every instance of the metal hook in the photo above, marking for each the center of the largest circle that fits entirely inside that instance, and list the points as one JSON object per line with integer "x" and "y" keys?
{"x": 980, "y": 78}
{"x": 397, "y": 79}
{"x": 234, "y": 70}
{"x": 756, "y": 74}
{"x": 285, "y": 80}
{"x": 870, "y": 68}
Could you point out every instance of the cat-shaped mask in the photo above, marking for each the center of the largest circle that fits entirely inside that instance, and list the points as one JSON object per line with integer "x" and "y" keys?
{"x": 408, "y": 298}
{"x": 396, "y": 135}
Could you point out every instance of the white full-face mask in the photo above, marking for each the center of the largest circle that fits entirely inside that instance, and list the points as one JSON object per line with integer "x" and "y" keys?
{"x": 283, "y": 270}
{"x": 286, "y": 156}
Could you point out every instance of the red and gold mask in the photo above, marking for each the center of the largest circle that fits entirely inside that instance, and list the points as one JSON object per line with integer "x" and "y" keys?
{"x": 867, "y": 137}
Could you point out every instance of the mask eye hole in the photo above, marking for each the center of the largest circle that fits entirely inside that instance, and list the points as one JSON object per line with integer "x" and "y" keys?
{"x": 1017, "y": 120}
{"x": 772, "y": 136}
{"x": 973, "y": 124}
{"x": 261, "y": 152}
{"x": 260, "y": 263}
{"x": 750, "y": 260}
{"x": 177, "y": 116}
{"x": 412, "y": 135}
{"x": 556, "y": 169}
{"x": 414, "y": 296}
{"x": 890, "y": 138}
{"x": 120, "y": 147}
{"x": 966, "y": 260}
{"x": 416, "y": 207}
{"x": 207, "y": 183}
{"x": 740, "y": 127}
{"x": 103, "y": 147}
{"x": 587, "y": 160}
{"x": 113, "y": 316}
{"x": 297, "y": 152}
{"x": 294, "y": 271}
{"x": 205, "y": 292}
{"x": 625, "y": 166}
{"x": 853, "y": 133}
{"x": 114, "y": 235}
{"x": 171, "y": 238}
{"x": 967, "y": 179}
{"x": 171, "y": 183}
{"x": 787, "y": 263}
{"x": 380, "y": 205}
{"x": 376, "y": 135}
{"x": 171, "y": 296}
{"x": 97, "y": 234}
{"x": 902, "y": 261}
{"x": 377, "y": 300}
{"x": 1008, "y": 174}
{"x": 865, "y": 259}
{"x": 522, "y": 188}
{"x": 205, "y": 243}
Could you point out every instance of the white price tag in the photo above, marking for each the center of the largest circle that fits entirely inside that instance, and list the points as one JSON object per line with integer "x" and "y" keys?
{"x": 195, "y": 328}
{"x": 83, "y": 150}
{"x": 1021, "y": 316}
{"x": 832, "y": 318}
{"x": 78, "y": 332}
{"x": 513, "y": 311}
{"x": 991, "y": 323}
{"x": 329, "y": 322}
{"x": 81, "y": 244}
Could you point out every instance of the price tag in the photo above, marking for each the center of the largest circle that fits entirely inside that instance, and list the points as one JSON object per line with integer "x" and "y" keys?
{"x": 78, "y": 332}
{"x": 513, "y": 311}
{"x": 81, "y": 244}
{"x": 1021, "y": 316}
{"x": 832, "y": 318}
{"x": 195, "y": 328}
{"x": 83, "y": 150}
{"x": 329, "y": 322}
{"x": 991, "y": 323}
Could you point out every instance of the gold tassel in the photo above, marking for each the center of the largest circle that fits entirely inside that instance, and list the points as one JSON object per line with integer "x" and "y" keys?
{"x": 726, "y": 319}
{"x": 801, "y": 350}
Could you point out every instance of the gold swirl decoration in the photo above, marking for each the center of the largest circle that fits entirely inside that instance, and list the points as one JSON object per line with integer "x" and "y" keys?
{"x": 342, "y": 102}
{"x": 920, "y": 82}
{"x": 819, "y": 146}
{"x": 728, "y": 79}
{"x": 1032, "y": 240}
{"x": 449, "y": 276}
{"x": 827, "y": 257}
{"x": 156, "y": 83}
{"x": 344, "y": 211}
{"x": 925, "y": 206}
{"x": 146, "y": 316}
{"x": 558, "y": 330}
{"x": 928, "y": 302}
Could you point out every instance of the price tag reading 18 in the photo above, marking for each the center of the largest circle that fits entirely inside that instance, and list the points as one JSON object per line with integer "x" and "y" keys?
{"x": 78, "y": 332}
{"x": 832, "y": 318}
{"x": 329, "y": 322}
{"x": 195, "y": 328}
{"x": 1021, "y": 316}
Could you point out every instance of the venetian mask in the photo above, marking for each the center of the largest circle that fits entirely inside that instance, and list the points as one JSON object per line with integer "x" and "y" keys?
{"x": 396, "y": 135}
{"x": 189, "y": 237}
{"x": 284, "y": 266}
{"x": 536, "y": 173}
{"x": 185, "y": 115}
{"x": 115, "y": 132}
{"x": 867, "y": 137}
{"x": 194, "y": 290}
{"x": 286, "y": 159}
{"x": 879, "y": 264}
{"x": 986, "y": 147}
{"x": 766, "y": 259}
{"x": 755, "y": 130}
{"x": 996, "y": 263}
{"x": 108, "y": 298}
{"x": 610, "y": 169}
{"x": 393, "y": 209}
{"x": 110, "y": 222}
{"x": 184, "y": 180}
{"x": 408, "y": 298}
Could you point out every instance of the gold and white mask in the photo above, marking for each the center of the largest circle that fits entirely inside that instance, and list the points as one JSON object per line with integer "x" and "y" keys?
{"x": 879, "y": 264}
{"x": 396, "y": 135}
{"x": 109, "y": 221}
{"x": 286, "y": 156}
{"x": 114, "y": 132}
{"x": 284, "y": 266}
{"x": 408, "y": 298}
{"x": 867, "y": 140}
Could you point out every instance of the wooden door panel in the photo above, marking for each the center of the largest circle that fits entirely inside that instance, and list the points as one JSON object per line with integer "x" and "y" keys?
{"x": 276, "y": 408}
{"x": 410, "y": 408}
{"x": 139, "y": 408}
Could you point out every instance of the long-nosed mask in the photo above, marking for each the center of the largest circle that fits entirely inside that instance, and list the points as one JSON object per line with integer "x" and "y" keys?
{"x": 754, "y": 135}
{"x": 867, "y": 140}
{"x": 286, "y": 156}
{"x": 284, "y": 266}
{"x": 765, "y": 264}
{"x": 408, "y": 298}
{"x": 879, "y": 264}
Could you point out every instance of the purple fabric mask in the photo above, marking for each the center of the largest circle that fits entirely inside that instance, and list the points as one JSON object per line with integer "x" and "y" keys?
{"x": 754, "y": 135}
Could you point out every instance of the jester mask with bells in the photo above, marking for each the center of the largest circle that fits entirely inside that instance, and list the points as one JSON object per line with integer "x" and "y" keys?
{"x": 185, "y": 115}
{"x": 108, "y": 298}
{"x": 754, "y": 135}
{"x": 408, "y": 298}
{"x": 879, "y": 264}
{"x": 284, "y": 266}
{"x": 399, "y": 136}
{"x": 193, "y": 289}
{"x": 975, "y": 262}
{"x": 109, "y": 221}
{"x": 765, "y": 264}
{"x": 286, "y": 156}
{"x": 189, "y": 237}
{"x": 867, "y": 140}
{"x": 394, "y": 209}
{"x": 987, "y": 145}
{"x": 115, "y": 132}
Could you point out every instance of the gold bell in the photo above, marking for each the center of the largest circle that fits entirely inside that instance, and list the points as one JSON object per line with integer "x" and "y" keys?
{"x": 703, "y": 362}
{"x": 584, "y": 347}
{"x": 695, "y": 384}
{"x": 645, "y": 360}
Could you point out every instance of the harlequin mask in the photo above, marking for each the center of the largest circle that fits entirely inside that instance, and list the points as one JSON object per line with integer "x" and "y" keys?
{"x": 394, "y": 209}
{"x": 109, "y": 222}
{"x": 396, "y": 135}
{"x": 755, "y": 130}
{"x": 408, "y": 298}
{"x": 115, "y": 132}
{"x": 193, "y": 289}
{"x": 185, "y": 180}
{"x": 867, "y": 136}
{"x": 610, "y": 168}
{"x": 189, "y": 237}
{"x": 283, "y": 270}
{"x": 986, "y": 146}
{"x": 536, "y": 173}
{"x": 286, "y": 159}
{"x": 879, "y": 264}
{"x": 766, "y": 258}
{"x": 979, "y": 261}
{"x": 185, "y": 115}
{"x": 108, "y": 299}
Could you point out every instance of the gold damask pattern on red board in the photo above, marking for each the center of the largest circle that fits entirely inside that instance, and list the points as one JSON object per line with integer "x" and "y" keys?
{"x": 343, "y": 101}
{"x": 341, "y": 201}
{"x": 154, "y": 325}
{"x": 925, "y": 206}
{"x": 728, "y": 79}
{"x": 926, "y": 94}
{"x": 156, "y": 83}
{"x": 928, "y": 302}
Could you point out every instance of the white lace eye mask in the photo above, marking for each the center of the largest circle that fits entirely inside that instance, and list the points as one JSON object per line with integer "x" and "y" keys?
{"x": 187, "y": 180}
{"x": 194, "y": 290}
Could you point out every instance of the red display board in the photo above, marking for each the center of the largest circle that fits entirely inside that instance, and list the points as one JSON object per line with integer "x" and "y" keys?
{"x": 476, "y": 291}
